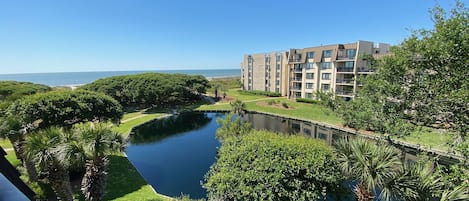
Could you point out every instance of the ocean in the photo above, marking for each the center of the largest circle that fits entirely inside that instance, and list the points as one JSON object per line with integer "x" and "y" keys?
{"x": 80, "y": 78}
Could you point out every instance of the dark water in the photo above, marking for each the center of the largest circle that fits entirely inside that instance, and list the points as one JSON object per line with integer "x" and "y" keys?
{"x": 174, "y": 154}
{"x": 78, "y": 78}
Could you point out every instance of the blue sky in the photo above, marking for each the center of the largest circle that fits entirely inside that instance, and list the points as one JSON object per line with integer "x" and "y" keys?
{"x": 107, "y": 35}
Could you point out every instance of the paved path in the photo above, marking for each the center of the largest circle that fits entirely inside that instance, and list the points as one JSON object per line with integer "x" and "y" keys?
{"x": 260, "y": 99}
{"x": 136, "y": 117}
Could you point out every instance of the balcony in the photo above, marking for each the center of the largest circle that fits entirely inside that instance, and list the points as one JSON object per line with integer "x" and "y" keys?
{"x": 344, "y": 70}
{"x": 296, "y": 88}
{"x": 345, "y": 58}
{"x": 298, "y": 70}
{"x": 365, "y": 70}
{"x": 344, "y": 81}
{"x": 344, "y": 93}
{"x": 297, "y": 79}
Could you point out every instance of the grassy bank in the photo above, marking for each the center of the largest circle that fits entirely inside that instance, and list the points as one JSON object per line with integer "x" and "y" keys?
{"x": 124, "y": 182}
{"x": 428, "y": 138}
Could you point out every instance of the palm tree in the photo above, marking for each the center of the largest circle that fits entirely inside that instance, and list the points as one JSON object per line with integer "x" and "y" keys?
{"x": 372, "y": 166}
{"x": 98, "y": 142}
{"x": 238, "y": 107}
{"x": 11, "y": 128}
{"x": 42, "y": 148}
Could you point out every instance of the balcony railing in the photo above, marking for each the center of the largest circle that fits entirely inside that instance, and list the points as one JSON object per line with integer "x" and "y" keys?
{"x": 365, "y": 70}
{"x": 340, "y": 57}
{"x": 346, "y": 93}
{"x": 296, "y": 88}
{"x": 342, "y": 69}
{"x": 298, "y": 70}
{"x": 344, "y": 81}
{"x": 297, "y": 79}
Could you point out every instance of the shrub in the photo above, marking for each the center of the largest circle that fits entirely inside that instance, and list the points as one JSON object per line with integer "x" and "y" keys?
{"x": 151, "y": 89}
{"x": 64, "y": 108}
{"x": 260, "y": 93}
{"x": 266, "y": 166}
{"x": 285, "y": 104}
{"x": 306, "y": 100}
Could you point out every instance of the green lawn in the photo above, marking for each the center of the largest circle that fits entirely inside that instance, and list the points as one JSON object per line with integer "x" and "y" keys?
{"x": 428, "y": 138}
{"x": 124, "y": 128}
{"x": 125, "y": 183}
{"x": 5, "y": 143}
{"x": 11, "y": 157}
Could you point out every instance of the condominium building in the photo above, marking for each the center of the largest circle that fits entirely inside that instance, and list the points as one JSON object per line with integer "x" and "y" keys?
{"x": 266, "y": 72}
{"x": 299, "y": 73}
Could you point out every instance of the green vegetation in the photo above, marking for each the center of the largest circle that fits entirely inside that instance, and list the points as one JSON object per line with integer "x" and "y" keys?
{"x": 124, "y": 182}
{"x": 5, "y": 143}
{"x": 307, "y": 100}
{"x": 260, "y": 93}
{"x": 379, "y": 172}
{"x": 85, "y": 147}
{"x": 422, "y": 84}
{"x": 65, "y": 108}
{"x": 267, "y": 166}
{"x": 151, "y": 89}
{"x": 13, "y": 90}
{"x": 11, "y": 157}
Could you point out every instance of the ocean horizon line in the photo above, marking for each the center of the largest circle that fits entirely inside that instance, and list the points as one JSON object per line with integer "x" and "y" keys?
{"x": 58, "y": 79}
{"x": 105, "y": 71}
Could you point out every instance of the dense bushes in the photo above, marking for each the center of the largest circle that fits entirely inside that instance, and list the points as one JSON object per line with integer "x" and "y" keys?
{"x": 151, "y": 89}
{"x": 307, "y": 100}
{"x": 64, "y": 108}
{"x": 262, "y": 93}
{"x": 13, "y": 90}
{"x": 266, "y": 166}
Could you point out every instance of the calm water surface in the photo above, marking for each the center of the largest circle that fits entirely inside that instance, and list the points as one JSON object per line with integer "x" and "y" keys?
{"x": 173, "y": 154}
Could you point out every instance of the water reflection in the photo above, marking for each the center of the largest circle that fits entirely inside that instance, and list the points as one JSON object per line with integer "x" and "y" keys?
{"x": 173, "y": 154}
{"x": 170, "y": 126}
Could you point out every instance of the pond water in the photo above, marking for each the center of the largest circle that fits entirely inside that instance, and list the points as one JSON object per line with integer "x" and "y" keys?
{"x": 173, "y": 154}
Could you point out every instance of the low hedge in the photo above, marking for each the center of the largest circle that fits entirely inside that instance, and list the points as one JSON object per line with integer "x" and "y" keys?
{"x": 306, "y": 100}
{"x": 262, "y": 93}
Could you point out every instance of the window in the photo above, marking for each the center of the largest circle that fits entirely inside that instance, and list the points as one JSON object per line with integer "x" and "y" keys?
{"x": 309, "y": 85}
{"x": 325, "y": 65}
{"x": 278, "y": 57}
{"x": 309, "y": 95}
{"x": 350, "y": 53}
{"x": 309, "y": 66}
{"x": 349, "y": 64}
{"x": 277, "y": 66}
{"x": 277, "y": 90}
{"x": 277, "y": 74}
{"x": 309, "y": 75}
{"x": 326, "y": 53}
{"x": 326, "y": 76}
{"x": 277, "y": 82}
{"x": 309, "y": 55}
{"x": 325, "y": 87}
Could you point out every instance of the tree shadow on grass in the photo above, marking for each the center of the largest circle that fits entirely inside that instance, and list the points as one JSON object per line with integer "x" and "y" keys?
{"x": 122, "y": 179}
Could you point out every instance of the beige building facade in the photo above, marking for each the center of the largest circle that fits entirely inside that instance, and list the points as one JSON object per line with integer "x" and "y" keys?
{"x": 330, "y": 68}
{"x": 266, "y": 72}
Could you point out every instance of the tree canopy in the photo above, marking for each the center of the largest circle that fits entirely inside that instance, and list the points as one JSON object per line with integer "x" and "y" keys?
{"x": 262, "y": 165}
{"x": 13, "y": 90}
{"x": 423, "y": 83}
{"x": 151, "y": 89}
{"x": 64, "y": 108}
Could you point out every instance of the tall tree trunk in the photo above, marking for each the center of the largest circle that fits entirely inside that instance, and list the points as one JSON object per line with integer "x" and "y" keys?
{"x": 362, "y": 193}
{"x": 94, "y": 180}
{"x": 28, "y": 164}
{"x": 60, "y": 183}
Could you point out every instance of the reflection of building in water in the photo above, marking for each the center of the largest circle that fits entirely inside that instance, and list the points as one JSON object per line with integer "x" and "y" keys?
{"x": 329, "y": 135}
{"x": 289, "y": 126}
